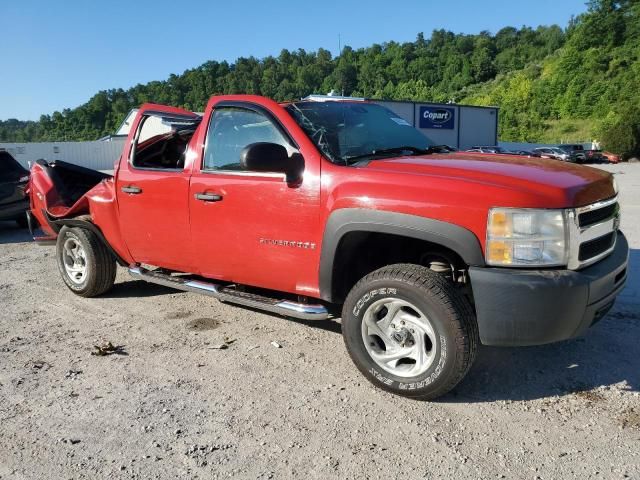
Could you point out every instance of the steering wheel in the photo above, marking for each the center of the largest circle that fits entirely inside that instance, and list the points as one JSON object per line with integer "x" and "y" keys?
{"x": 165, "y": 160}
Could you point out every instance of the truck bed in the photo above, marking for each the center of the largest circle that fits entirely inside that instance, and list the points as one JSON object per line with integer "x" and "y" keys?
{"x": 58, "y": 189}
{"x": 70, "y": 181}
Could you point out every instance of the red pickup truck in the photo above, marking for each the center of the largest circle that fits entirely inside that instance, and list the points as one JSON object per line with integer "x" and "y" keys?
{"x": 323, "y": 209}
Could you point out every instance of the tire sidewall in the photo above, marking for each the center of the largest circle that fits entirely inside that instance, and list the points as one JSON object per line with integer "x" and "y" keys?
{"x": 442, "y": 367}
{"x": 64, "y": 234}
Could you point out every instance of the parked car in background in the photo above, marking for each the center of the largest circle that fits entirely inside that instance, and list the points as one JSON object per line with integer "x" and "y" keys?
{"x": 489, "y": 149}
{"x": 443, "y": 149}
{"x": 595, "y": 156}
{"x": 526, "y": 153}
{"x": 553, "y": 152}
{"x": 576, "y": 152}
{"x": 611, "y": 157}
{"x": 14, "y": 178}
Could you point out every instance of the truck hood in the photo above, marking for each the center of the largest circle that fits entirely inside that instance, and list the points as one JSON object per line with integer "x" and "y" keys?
{"x": 570, "y": 184}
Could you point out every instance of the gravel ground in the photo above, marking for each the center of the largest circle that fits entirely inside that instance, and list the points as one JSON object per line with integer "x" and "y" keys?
{"x": 168, "y": 405}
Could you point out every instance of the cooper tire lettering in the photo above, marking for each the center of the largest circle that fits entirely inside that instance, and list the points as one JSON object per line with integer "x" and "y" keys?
{"x": 367, "y": 296}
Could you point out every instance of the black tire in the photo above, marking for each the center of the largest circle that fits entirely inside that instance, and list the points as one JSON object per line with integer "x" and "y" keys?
{"x": 22, "y": 221}
{"x": 449, "y": 314}
{"x": 98, "y": 260}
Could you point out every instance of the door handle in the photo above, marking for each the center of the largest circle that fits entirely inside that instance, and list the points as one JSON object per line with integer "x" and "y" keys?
{"x": 132, "y": 190}
{"x": 208, "y": 197}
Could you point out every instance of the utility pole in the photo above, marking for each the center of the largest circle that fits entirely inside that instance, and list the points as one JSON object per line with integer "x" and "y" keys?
{"x": 340, "y": 54}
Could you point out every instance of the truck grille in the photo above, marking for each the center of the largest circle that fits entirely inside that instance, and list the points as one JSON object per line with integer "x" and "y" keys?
{"x": 592, "y": 232}
{"x": 595, "y": 247}
{"x": 595, "y": 216}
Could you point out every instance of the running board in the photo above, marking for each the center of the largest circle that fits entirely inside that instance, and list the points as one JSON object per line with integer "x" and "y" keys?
{"x": 286, "y": 308}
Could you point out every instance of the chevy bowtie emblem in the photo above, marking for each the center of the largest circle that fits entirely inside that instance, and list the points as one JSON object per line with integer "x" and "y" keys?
{"x": 288, "y": 243}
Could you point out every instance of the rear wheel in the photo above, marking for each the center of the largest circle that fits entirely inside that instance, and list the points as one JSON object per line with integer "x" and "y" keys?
{"x": 86, "y": 265}
{"x": 410, "y": 331}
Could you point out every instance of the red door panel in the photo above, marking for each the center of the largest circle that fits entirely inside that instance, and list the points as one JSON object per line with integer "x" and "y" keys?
{"x": 155, "y": 221}
{"x": 254, "y": 228}
{"x": 262, "y": 232}
{"x": 152, "y": 199}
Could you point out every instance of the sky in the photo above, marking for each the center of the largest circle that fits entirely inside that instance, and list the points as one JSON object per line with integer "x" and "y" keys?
{"x": 58, "y": 54}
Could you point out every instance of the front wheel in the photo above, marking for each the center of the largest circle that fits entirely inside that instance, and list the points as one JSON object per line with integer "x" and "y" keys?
{"x": 410, "y": 331}
{"x": 86, "y": 265}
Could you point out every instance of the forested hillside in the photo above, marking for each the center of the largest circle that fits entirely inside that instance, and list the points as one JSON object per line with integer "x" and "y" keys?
{"x": 589, "y": 88}
{"x": 577, "y": 81}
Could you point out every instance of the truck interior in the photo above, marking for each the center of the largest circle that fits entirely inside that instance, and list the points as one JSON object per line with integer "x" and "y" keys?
{"x": 161, "y": 142}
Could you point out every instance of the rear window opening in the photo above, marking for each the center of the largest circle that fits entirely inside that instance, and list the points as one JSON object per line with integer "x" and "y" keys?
{"x": 161, "y": 142}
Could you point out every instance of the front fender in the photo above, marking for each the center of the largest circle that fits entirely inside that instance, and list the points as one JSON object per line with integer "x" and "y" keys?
{"x": 458, "y": 239}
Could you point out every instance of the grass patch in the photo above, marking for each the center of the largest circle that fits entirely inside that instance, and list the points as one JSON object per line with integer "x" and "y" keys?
{"x": 568, "y": 131}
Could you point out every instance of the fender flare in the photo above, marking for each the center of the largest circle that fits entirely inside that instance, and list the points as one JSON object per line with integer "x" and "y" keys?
{"x": 340, "y": 222}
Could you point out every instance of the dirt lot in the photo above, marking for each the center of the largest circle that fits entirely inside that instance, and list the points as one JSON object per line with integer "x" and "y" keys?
{"x": 169, "y": 405}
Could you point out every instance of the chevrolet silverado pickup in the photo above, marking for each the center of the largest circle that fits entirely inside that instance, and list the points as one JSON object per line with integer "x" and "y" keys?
{"x": 332, "y": 208}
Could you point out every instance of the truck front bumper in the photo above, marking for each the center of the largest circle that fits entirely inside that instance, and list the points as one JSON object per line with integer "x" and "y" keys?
{"x": 532, "y": 307}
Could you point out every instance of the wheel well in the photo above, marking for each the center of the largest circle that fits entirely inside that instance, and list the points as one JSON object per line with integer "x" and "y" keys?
{"x": 360, "y": 253}
{"x": 84, "y": 221}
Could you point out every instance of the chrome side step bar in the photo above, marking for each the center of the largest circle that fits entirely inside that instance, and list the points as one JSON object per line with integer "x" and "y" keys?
{"x": 285, "y": 308}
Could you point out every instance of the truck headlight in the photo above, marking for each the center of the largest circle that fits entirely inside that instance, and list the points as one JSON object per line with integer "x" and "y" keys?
{"x": 526, "y": 238}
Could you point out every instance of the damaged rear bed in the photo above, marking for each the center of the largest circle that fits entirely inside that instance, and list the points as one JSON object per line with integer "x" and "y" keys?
{"x": 59, "y": 190}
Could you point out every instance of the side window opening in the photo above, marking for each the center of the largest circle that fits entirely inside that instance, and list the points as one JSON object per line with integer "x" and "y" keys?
{"x": 230, "y": 130}
{"x": 161, "y": 143}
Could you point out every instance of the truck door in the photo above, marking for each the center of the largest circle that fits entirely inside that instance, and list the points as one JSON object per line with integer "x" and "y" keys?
{"x": 250, "y": 227}
{"x": 153, "y": 187}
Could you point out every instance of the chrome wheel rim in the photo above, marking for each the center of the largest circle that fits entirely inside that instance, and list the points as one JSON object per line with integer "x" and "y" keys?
{"x": 75, "y": 260}
{"x": 399, "y": 338}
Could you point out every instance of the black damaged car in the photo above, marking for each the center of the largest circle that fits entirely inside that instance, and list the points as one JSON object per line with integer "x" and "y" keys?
{"x": 14, "y": 178}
